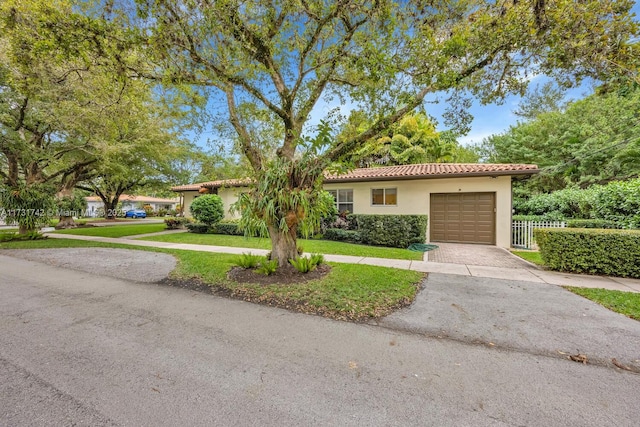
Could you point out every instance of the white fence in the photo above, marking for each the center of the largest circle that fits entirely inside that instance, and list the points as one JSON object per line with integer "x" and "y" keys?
{"x": 522, "y": 232}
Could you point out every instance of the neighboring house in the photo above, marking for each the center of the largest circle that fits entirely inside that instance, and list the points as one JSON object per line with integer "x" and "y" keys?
{"x": 465, "y": 203}
{"x": 128, "y": 202}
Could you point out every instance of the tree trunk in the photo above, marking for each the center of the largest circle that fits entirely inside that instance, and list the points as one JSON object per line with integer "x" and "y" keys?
{"x": 22, "y": 229}
{"x": 284, "y": 245}
{"x": 65, "y": 221}
{"x": 110, "y": 207}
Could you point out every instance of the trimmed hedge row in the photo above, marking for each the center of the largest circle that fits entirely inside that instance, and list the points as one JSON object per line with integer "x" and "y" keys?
{"x": 593, "y": 223}
{"x": 396, "y": 231}
{"x": 608, "y": 252}
{"x": 228, "y": 228}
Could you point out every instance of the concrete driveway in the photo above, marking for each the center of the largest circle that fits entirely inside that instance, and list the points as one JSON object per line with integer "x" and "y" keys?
{"x": 482, "y": 255}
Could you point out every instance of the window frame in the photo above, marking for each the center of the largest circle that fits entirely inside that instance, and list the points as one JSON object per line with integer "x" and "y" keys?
{"x": 384, "y": 197}
{"x": 338, "y": 201}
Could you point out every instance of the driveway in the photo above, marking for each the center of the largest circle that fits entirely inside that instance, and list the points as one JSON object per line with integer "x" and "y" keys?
{"x": 112, "y": 352}
{"x": 482, "y": 255}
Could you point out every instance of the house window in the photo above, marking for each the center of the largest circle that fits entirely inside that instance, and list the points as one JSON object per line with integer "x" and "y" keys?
{"x": 344, "y": 200}
{"x": 384, "y": 196}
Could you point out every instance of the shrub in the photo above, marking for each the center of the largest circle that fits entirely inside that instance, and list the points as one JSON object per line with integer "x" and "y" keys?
{"x": 341, "y": 235}
{"x": 175, "y": 223}
{"x": 208, "y": 209}
{"x": 303, "y": 264}
{"x": 317, "y": 259}
{"x": 15, "y": 237}
{"x": 268, "y": 267}
{"x": 228, "y": 228}
{"x": 397, "y": 231}
{"x": 609, "y": 252}
{"x": 527, "y": 218}
{"x": 197, "y": 228}
{"x": 249, "y": 260}
{"x": 592, "y": 223}
{"x": 619, "y": 201}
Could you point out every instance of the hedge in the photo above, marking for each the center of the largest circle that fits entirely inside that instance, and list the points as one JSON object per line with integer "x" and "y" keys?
{"x": 341, "y": 235}
{"x": 593, "y": 251}
{"x": 593, "y": 223}
{"x": 396, "y": 231}
{"x": 197, "y": 228}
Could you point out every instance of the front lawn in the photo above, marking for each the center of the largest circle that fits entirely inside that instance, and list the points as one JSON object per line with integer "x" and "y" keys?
{"x": 116, "y": 230}
{"x": 627, "y": 303}
{"x": 348, "y": 292}
{"x": 309, "y": 245}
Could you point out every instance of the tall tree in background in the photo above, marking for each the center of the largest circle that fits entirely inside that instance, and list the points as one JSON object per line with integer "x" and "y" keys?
{"x": 388, "y": 56}
{"x": 594, "y": 141}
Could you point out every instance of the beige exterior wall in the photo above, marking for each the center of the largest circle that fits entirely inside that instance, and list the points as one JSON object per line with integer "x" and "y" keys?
{"x": 414, "y": 197}
{"x": 228, "y": 195}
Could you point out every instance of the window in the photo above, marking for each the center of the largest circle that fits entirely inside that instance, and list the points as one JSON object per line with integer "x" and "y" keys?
{"x": 384, "y": 196}
{"x": 344, "y": 200}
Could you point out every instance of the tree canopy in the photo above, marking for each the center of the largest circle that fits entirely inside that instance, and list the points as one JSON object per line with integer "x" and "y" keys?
{"x": 593, "y": 141}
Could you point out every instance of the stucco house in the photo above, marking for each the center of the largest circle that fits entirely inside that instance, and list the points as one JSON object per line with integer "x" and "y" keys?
{"x": 465, "y": 203}
{"x": 95, "y": 205}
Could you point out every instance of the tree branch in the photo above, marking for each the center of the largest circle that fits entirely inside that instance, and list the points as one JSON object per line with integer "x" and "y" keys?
{"x": 248, "y": 149}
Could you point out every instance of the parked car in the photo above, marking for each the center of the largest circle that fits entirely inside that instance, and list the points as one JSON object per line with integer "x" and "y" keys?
{"x": 135, "y": 213}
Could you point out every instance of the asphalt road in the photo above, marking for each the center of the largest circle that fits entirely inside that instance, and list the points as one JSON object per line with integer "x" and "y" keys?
{"x": 82, "y": 349}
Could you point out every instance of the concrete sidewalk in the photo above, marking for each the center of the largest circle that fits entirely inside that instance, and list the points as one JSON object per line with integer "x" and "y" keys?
{"x": 521, "y": 274}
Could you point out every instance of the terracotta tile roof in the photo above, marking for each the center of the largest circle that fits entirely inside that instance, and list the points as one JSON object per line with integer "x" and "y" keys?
{"x": 213, "y": 184}
{"x": 432, "y": 170}
{"x": 417, "y": 171}
{"x": 129, "y": 198}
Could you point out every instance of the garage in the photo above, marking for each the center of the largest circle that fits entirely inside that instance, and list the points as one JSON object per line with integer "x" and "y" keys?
{"x": 463, "y": 218}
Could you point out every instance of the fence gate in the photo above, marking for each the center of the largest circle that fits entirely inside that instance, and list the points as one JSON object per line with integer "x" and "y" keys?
{"x": 522, "y": 232}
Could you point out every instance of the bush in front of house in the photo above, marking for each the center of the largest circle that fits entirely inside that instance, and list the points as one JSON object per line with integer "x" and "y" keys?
{"x": 175, "y": 223}
{"x": 230, "y": 228}
{"x": 593, "y": 251}
{"x": 208, "y": 209}
{"x": 198, "y": 228}
{"x": 396, "y": 231}
{"x": 341, "y": 235}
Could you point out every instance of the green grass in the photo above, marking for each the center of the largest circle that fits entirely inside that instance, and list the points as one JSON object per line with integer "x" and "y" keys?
{"x": 530, "y": 256}
{"x": 627, "y": 303}
{"x": 347, "y": 292}
{"x": 309, "y": 245}
{"x": 116, "y": 230}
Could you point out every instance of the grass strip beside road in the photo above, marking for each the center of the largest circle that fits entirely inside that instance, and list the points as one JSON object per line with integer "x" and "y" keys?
{"x": 627, "y": 303}
{"x": 308, "y": 245}
{"x": 116, "y": 230}
{"x": 348, "y": 292}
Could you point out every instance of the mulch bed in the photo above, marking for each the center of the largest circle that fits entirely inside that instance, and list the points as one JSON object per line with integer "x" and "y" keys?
{"x": 286, "y": 275}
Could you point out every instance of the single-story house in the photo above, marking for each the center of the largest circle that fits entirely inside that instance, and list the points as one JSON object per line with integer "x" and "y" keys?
{"x": 94, "y": 203}
{"x": 465, "y": 203}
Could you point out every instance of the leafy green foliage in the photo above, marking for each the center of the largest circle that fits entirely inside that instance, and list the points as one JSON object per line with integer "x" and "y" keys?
{"x": 267, "y": 267}
{"x": 302, "y": 264}
{"x": 175, "y": 223}
{"x": 28, "y": 206}
{"x": 317, "y": 259}
{"x": 608, "y": 252}
{"x": 198, "y": 228}
{"x": 593, "y": 223}
{"x": 593, "y": 141}
{"x": 397, "y": 231}
{"x": 249, "y": 260}
{"x": 208, "y": 209}
{"x": 617, "y": 202}
{"x": 341, "y": 235}
{"x": 229, "y": 228}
